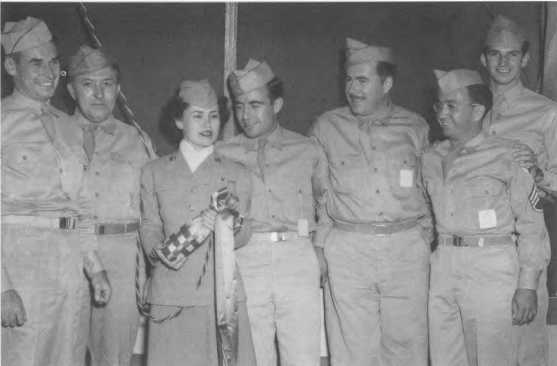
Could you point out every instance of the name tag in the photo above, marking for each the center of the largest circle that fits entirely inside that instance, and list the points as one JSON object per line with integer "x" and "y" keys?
{"x": 406, "y": 178}
{"x": 488, "y": 219}
{"x": 303, "y": 227}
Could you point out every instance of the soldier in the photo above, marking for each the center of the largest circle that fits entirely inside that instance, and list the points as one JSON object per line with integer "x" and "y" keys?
{"x": 281, "y": 263}
{"x": 483, "y": 282}
{"x": 531, "y": 119}
{"x": 378, "y": 249}
{"x": 115, "y": 152}
{"x": 47, "y": 235}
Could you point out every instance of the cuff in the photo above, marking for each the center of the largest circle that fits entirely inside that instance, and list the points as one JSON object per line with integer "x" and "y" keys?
{"x": 545, "y": 184}
{"x": 92, "y": 263}
{"x": 528, "y": 278}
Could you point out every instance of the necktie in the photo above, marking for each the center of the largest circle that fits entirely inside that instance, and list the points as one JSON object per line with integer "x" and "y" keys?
{"x": 261, "y": 157}
{"x": 496, "y": 109}
{"x": 89, "y": 142}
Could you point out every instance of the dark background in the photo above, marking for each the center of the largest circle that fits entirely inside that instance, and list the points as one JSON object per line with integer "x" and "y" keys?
{"x": 158, "y": 45}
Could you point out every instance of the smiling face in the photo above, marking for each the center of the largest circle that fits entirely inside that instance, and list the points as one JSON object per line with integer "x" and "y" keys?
{"x": 504, "y": 60}
{"x": 458, "y": 116}
{"x": 96, "y": 93}
{"x": 364, "y": 89}
{"x": 200, "y": 126}
{"x": 36, "y": 71}
{"x": 256, "y": 113}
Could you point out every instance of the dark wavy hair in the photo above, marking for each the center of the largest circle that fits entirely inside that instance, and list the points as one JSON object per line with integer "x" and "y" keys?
{"x": 174, "y": 109}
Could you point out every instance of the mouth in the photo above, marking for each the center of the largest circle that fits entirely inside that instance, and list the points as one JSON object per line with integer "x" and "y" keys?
{"x": 503, "y": 70}
{"x": 356, "y": 99}
{"x": 49, "y": 84}
{"x": 207, "y": 133}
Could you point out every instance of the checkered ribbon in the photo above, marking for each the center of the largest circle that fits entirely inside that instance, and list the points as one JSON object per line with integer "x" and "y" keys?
{"x": 190, "y": 237}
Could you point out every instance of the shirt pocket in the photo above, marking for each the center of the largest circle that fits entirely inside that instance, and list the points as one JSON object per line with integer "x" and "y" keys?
{"x": 403, "y": 169}
{"x": 482, "y": 194}
{"x": 348, "y": 174}
{"x": 125, "y": 178}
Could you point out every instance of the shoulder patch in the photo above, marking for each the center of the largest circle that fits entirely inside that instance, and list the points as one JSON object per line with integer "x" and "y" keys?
{"x": 534, "y": 199}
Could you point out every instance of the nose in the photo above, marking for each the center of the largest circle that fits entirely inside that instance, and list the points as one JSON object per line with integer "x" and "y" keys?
{"x": 98, "y": 91}
{"x": 441, "y": 111}
{"x": 244, "y": 114}
{"x": 48, "y": 71}
{"x": 502, "y": 61}
{"x": 352, "y": 87}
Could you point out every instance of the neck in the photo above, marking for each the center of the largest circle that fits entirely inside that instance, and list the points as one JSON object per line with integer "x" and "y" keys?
{"x": 268, "y": 133}
{"x": 461, "y": 140}
{"x": 194, "y": 146}
{"x": 497, "y": 88}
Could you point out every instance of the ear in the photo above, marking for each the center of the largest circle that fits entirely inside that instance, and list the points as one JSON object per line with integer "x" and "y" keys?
{"x": 71, "y": 90}
{"x": 9, "y": 65}
{"x": 179, "y": 124}
{"x": 483, "y": 60}
{"x": 118, "y": 89}
{"x": 277, "y": 104}
{"x": 478, "y": 112}
{"x": 525, "y": 59}
{"x": 387, "y": 85}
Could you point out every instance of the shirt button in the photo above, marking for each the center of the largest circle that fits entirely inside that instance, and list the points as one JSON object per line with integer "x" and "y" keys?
{"x": 95, "y": 217}
{"x": 24, "y": 157}
{"x": 96, "y": 194}
{"x": 373, "y": 148}
{"x": 450, "y": 214}
{"x": 375, "y": 169}
{"x": 61, "y": 171}
{"x": 270, "y": 190}
{"x": 454, "y": 171}
{"x": 97, "y": 173}
{"x": 191, "y": 208}
{"x": 377, "y": 191}
{"x": 193, "y": 190}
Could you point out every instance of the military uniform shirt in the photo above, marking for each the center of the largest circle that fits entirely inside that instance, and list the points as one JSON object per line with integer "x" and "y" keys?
{"x": 42, "y": 167}
{"x": 295, "y": 183}
{"x": 112, "y": 177}
{"x": 374, "y": 164}
{"x": 485, "y": 193}
{"x": 531, "y": 119}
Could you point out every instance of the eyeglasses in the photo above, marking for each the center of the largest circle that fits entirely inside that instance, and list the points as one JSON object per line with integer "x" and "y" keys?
{"x": 452, "y": 106}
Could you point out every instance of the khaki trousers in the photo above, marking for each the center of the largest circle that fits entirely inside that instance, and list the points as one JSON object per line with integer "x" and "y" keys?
{"x": 376, "y": 301}
{"x": 470, "y": 307}
{"x": 46, "y": 268}
{"x": 282, "y": 288}
{"x": 114, "y": 326}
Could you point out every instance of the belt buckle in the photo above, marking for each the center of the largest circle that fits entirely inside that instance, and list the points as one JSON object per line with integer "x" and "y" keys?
{"x": 99, "y": 229}
{"x": 458, "y": 241}
{"x": 67, "y": 223}
{"x": 384, "y": 233}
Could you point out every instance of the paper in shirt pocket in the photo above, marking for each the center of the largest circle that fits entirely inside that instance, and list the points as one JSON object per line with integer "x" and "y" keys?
{"x": 487, "y": 218}
{"x": 406, "y": 178}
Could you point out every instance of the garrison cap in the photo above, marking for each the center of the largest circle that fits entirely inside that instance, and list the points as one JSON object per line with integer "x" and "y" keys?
{"x": 503, "y": 30}
{"x": 24, "y": 35}
{"x": 452, "y": 80}
{"x": 87, "y": 60}
{"x": 254, "y": 75}
{"x": 198, "y": 93}
{"x": 360, "y": 53}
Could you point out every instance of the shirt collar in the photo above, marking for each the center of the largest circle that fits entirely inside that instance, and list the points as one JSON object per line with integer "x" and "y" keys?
{"x": 23, "y": 101}
{"x": 471, "y": 145}
{"x": 511, "y": 95}
{"x": 381, "y": 115}
{"x": 108, "y": 125}
{"x": 275, "y": 139}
